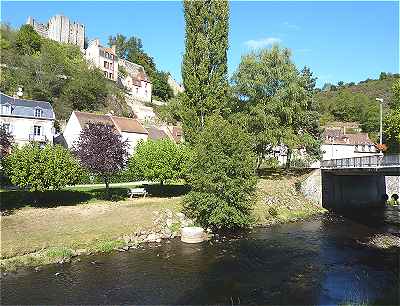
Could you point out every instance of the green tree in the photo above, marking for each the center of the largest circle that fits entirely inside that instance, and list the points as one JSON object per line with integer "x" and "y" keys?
{"x": 396, "y": 95}
{"x": 159, "y": 160}
{"x": 39, "y": 169}
{"x": 277, "y": 102}
{"x": 392, "y": 120}
{"x": 161, "y": 88}
{"x": 204, "y": 67}
{"x": 27, "y": 40}
{"x": 222, "y": 176}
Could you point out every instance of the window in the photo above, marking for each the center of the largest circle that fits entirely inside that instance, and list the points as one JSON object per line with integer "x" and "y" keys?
{"x": 137, "y": 90}
{"x": 6, "y": 126}
{"x": 105, "y": 64}
{"x": 38, "y": 112}
{"x": 111, "y": 75}
{"x": 37, "y": 130}
{"x": 6, "y": 109}
{"x": 105, "y": 73}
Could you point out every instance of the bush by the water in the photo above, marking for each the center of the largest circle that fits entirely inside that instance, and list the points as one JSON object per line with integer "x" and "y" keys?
{"x": 221, "y": 176}
{"x": 39, "y": 169}
{"x": 159, "y": 160}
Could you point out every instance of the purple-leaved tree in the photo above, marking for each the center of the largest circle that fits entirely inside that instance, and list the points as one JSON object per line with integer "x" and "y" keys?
{"x": 101, "y": 150}
{"x": 6, "y": 141}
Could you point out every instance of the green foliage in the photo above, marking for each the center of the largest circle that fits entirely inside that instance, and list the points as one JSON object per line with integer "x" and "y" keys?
{"x": 27, "y": 40}
{"x": 222, "y": 176}
{"x": 159, "y": 160}
{"x": 161, "y": 88}
{"x": 392, "y": 130}
{"x": 277, "y": 102}
{"x": 357, "y": 102}
{"x": 204, "y": 67}
{"x": 39, "y": 169}
{"x": 57, "y": 73}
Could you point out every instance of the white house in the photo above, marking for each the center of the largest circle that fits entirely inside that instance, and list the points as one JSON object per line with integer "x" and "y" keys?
{"x": 337, "y": 144}
{"x": 130, "y": 129}
{"x": 103, "y": 58}
{"x": 135, "y": 79}
{"x": 27, "y": 120}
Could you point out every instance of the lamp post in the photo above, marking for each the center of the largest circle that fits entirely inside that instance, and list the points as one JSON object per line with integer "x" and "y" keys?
{"x": 380, "y": 127}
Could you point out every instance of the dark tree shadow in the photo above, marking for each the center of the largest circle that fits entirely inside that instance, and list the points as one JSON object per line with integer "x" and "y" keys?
{"x": 279, "y": 173}
{"x": 16, "y": 199}
{"x": 166, "y": 190}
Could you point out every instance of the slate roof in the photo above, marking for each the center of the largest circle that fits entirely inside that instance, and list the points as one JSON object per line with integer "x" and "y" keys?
{"x": 336, "y": 136}
{"x": 25, "y": 108}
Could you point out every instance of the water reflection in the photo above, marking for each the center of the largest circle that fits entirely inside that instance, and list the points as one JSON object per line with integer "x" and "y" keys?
{"x": 314, "y": 262}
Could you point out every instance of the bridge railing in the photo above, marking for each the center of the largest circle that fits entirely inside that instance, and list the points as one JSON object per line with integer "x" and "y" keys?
{"x": 363, "y": 162}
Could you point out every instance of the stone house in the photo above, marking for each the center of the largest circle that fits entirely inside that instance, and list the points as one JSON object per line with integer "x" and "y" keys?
{"x": 103, "y": 58}
{"x": 27, "y": 120}
{"x": 135, "y": 80}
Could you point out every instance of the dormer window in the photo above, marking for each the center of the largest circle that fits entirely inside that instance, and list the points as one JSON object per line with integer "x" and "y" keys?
{"x": 6, "y": 109}
{"x": 38, "y": 112}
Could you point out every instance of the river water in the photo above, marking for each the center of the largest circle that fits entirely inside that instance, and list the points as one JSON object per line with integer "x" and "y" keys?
{"x": 320, "y": 261}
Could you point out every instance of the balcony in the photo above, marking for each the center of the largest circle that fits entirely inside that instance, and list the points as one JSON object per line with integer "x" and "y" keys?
{"x": 37, "y": 138}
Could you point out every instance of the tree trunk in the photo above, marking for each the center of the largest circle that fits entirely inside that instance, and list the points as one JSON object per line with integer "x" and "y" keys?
{"x": 289, "y": 156}
{"x": 107, "y": 187}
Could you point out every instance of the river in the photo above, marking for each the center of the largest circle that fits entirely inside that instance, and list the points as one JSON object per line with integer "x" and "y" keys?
{"x": 320, "y": 261}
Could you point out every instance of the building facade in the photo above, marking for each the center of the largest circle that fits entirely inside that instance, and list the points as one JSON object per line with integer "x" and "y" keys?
{"x": 27, "y": 120}
{"x": 134, "y": 78}
{"x": 60, "y": 28}
{"x": 130, "y": 129}
{"x": 103, "y": 58}
{"x": 337, "y": 144}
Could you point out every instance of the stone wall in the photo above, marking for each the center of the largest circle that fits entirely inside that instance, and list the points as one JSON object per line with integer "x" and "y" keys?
{"x": 311, "y": 187}
{"x": 392, "y": 185}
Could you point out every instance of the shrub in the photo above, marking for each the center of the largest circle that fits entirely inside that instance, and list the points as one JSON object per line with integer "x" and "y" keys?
{"x": 40, "y": 169}
{"x": 159, "y": 160}
{"x": 222, "y": 177}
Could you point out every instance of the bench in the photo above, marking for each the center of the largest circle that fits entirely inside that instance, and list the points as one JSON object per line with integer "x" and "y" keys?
{"x": 138, "y": 192}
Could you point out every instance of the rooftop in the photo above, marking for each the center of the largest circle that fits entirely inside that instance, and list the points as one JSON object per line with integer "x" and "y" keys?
{"x": 26, "y": 108}
{"x": 121, "y": 124}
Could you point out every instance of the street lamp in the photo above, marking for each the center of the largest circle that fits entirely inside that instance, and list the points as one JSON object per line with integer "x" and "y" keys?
{"x": 380, "y": 127}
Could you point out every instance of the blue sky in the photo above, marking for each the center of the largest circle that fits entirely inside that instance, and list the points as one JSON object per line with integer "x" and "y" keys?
{"x": 339, "y": 41}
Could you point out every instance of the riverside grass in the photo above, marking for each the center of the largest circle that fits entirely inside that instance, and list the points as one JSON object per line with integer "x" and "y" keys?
{"x": 36, "y": 236}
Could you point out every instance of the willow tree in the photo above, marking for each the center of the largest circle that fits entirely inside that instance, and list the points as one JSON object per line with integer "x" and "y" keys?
{"x": 278, "y": 102}
{"x": 204, "y": 67}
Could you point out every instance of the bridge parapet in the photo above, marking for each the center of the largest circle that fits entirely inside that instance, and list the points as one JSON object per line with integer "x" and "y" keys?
{"x": 374, "y": 161}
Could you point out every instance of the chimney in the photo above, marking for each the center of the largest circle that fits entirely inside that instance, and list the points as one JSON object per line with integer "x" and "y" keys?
{"x": 114, "y": 48}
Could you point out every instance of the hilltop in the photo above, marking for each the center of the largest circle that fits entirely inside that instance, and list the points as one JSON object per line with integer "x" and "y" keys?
{"x": 356, "y": 102}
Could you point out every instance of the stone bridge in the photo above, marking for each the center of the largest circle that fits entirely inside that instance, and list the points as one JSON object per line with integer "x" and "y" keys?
{"x": 357, "y": 182}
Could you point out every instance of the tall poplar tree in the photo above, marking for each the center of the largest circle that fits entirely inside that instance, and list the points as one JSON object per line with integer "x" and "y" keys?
{"x": 204, "y": 67}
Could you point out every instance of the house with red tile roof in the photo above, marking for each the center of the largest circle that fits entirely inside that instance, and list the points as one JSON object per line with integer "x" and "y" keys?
{"x": 338, "y": 144}
{"x": 130, "y": 129}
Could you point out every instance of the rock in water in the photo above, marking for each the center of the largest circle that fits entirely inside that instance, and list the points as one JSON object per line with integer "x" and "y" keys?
{"x": 192, "y": 234}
